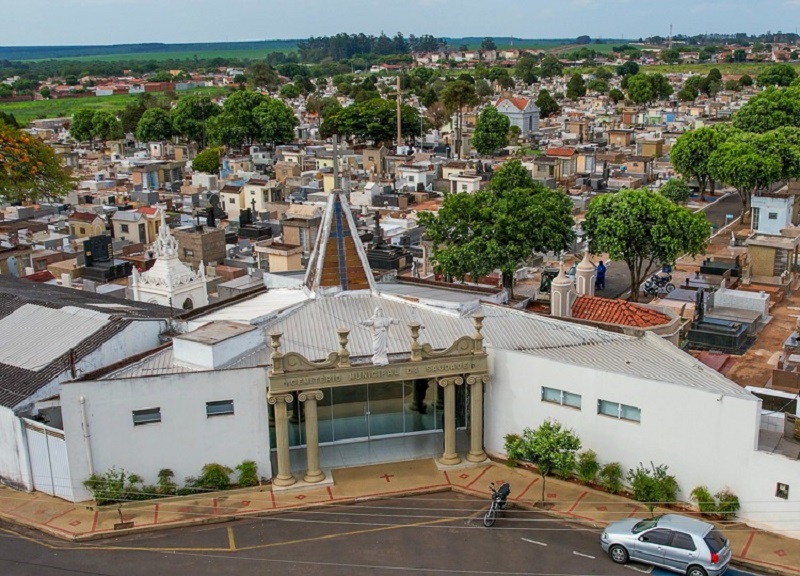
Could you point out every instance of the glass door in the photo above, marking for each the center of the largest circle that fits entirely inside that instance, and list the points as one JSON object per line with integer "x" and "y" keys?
{"x": 350, "y": 412}
{"x": 385, "y": 409}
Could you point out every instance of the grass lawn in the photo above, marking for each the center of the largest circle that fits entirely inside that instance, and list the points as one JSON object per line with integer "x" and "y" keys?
{"x": 24, "y": 112}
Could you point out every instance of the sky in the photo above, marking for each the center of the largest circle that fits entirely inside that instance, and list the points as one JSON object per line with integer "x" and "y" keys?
{"x": 89, "y": 22}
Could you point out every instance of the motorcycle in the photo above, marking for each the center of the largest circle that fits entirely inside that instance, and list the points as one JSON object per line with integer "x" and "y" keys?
{"x": 499, "y": 500}
{"x": 658, "y": 283}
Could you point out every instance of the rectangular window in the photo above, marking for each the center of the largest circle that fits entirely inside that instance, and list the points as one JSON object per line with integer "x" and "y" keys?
{"x": 124, "y": 227}
{"x": 146, "y": 416}
{"x": 188, "y": 253}
{"x": 620, "y": 411}
{"x": 772, "y": 216}
{"x": 561, "y": 397}
{"x": 219, "y": 408}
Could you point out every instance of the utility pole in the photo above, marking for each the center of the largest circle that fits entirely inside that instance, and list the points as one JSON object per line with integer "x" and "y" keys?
{"x": 669, "y": 42}
{"x": 399, "y": 117}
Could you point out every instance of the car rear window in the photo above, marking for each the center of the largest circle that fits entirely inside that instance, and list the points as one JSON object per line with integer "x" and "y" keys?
{"x": 715, "y": 541}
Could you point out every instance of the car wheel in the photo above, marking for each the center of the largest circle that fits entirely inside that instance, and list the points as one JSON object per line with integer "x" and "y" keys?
{"x": 490, "y": 517}
{"x": 695, "y": 571}
{"x": 619, "y": 554}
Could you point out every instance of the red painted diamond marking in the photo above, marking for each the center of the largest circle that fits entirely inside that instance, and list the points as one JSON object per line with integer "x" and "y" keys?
{"x": 301, "y": 496}
{"x": 780, "y": 553}
{"x": 464, "y": 476}
{"x": 245, "y": 502}
{"x": 602, "y": 508}
{"x": 552, "y": 495}
{"x": 74, "y": 522}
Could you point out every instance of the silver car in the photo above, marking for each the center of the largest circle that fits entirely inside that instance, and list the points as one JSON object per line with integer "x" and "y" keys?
{"x": 671, "y": 541}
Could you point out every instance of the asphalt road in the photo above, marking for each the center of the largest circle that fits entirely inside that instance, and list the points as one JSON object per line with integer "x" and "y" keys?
{"x": 432, "y": 534}
{"x": 618, "y": 279}
{"x": 436, "y": 534}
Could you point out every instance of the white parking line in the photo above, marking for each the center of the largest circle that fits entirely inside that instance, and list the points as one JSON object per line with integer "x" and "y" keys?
{"x": 583, "y": 555}
{"x": 647, "y": 570}
{"x": 535, "y": 542}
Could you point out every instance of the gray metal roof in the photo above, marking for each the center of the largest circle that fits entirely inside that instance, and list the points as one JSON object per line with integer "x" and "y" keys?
{"x": 310, "y": 329}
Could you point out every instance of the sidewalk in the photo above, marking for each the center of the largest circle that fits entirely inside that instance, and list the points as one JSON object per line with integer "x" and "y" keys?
{"x": 755, "y": 549}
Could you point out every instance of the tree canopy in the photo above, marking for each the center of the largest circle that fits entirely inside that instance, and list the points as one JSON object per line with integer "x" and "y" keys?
{"x": 30, "y": 169}
{"x": 771, "y": 109}
{"x": 374, "y": 120}
{"x": 777, "y": 75}
{"x": 249, "y": 117}
{"x": 491, "y": 131}
{"x": 576, "y": 88}
{"x": 190, "y": 116}
{"x": 690, "y": 154}
{"x": 546, "y": 104}
{"x": 646, "y": 88}
{"x": 500, "y": 227}
{"x": 209, "y": 161}
{"x": 643, "y": 228}
{"x": 155, "y": 125}
{"x": 675, "y": 190}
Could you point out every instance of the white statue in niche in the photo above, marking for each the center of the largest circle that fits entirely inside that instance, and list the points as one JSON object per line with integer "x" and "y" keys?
{"x": 379, "y": 324}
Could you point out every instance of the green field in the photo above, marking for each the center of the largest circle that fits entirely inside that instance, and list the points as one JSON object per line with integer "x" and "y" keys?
{"x": 24, "y": 112}
{"x": 749, "y": 68}
{"x": 244, "y": 53}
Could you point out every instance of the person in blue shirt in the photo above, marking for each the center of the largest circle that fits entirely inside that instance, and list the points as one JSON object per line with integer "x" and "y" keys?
{"x": 600, "y": 279}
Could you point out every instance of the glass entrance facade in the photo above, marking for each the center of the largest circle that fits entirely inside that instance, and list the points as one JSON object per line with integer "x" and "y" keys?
{"x": 367, "y": 411}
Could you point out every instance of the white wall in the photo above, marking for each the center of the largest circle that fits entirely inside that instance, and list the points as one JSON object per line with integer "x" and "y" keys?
{"x": 742, "y": 300}
{"x": 14, "y": 463}
{"x": 184, "y": 440}
{"x": 703, "y": 440}
{"x": 779, "y": 206}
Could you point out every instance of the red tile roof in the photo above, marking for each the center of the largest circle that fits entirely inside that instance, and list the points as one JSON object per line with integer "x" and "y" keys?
{"x": 619, "y": 312}
{"x": 561, "y": 152}
{"x": 83, "y": 216}
{"x": 41, "y": 276}
{"x": 519, "y": 103}
{"x": 149, "y": 210}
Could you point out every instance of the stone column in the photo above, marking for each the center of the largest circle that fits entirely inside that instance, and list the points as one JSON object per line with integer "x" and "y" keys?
{"x": 313, "y": 473}
{"x": 450, "y": 457}
{"x": 284, "y": 476}
{"x": 476, "y": 382}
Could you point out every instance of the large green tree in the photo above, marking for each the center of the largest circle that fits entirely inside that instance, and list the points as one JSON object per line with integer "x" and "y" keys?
{"x": 491, "y": 131}
{"x": 30, "y": 169}
{"x": 647, "y": 88}
{"x": 741, "y": 163}
{"x": 276, "y": 121}
{"x": 375, "y": 120}
{"x": 777, "y": 75}
{"x": 643, "y": 228}
{"x": 771, "y": 109}
{"x": 527, "y": 70}
{"x": 551, "y": 67}
{"x": 576, "y": 87}
{"x": 155, "y": 125}
{"x": 690, "y": 154}
{"x": 190, "y": 117}
{"x": 106, "y": 126}
{"x": 500, "y": 227}
{"x": 675, "y": 190}
{"x": 455, "y": 97}
{"x": 81, "y": 127}
{"x": 237, "y": 125}
{"x": 546, "y": 104}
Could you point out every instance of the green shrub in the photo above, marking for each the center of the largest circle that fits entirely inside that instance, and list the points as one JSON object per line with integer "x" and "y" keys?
{"x": 587, "y": 466}
{"x": 704, "y": 500}
{"x": 727, "y": 503}
{"x": 611, "y": 476}
{"x": 214, "y": 477}
{"x": 166, "y": 484}
{"x": 248, "y": 473}
{"x": 653, "y": 486}
{"x": 514, "y": 449}
{"x": 115, "y": 485}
